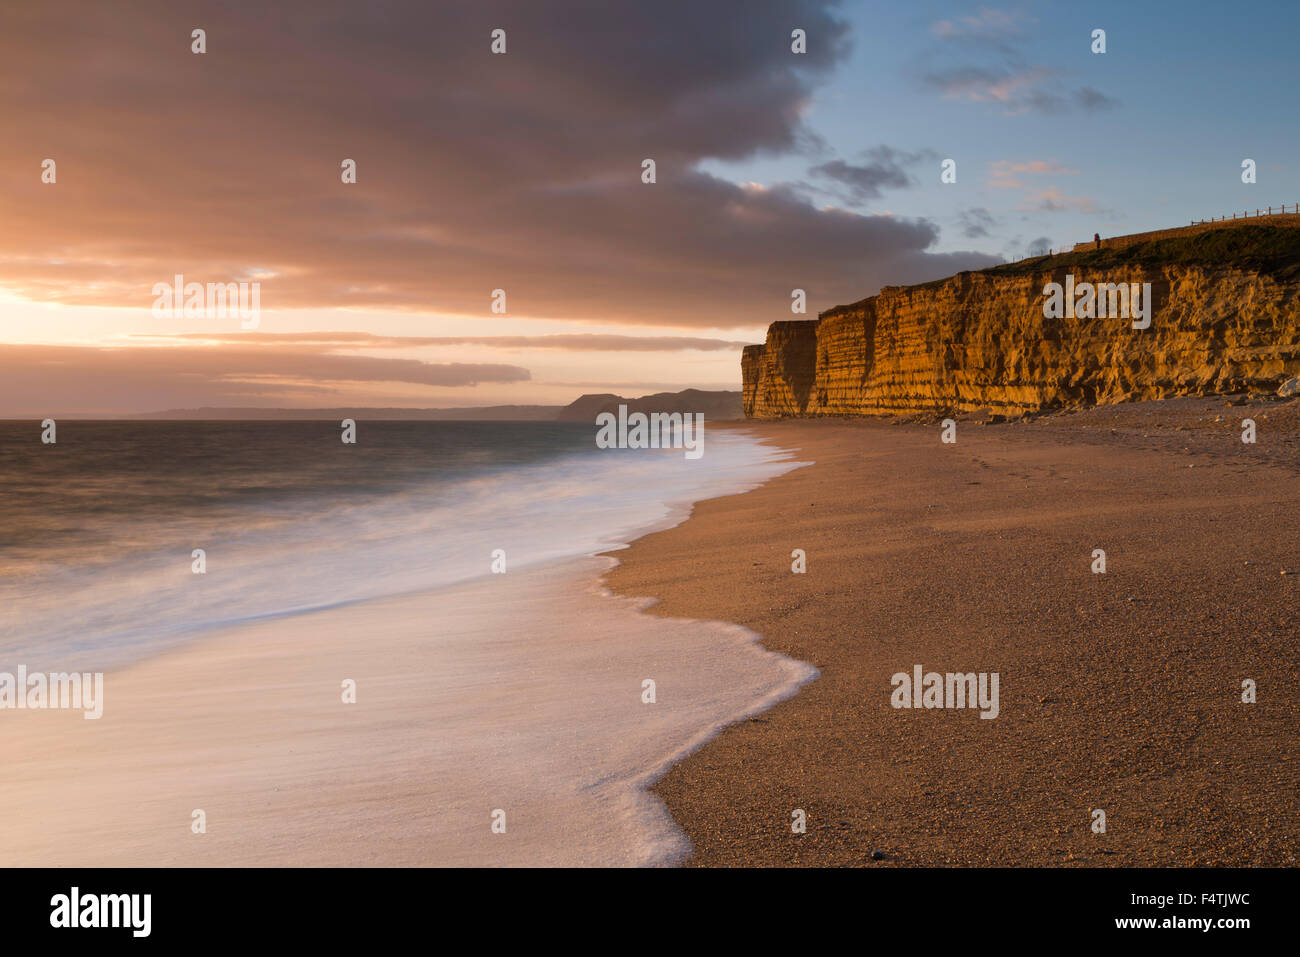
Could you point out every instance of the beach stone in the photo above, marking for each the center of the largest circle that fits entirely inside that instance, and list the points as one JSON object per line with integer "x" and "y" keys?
{"x": 1290, "y": 387}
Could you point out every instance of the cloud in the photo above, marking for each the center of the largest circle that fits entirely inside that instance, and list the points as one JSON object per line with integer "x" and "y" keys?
{"x": 989, "y": 23}
{"x": 976, "y": 222}
{"x": 1030, "y": 90}
{"x": 1087, "y": 98}
{"x": 987, "y": 85}
{"x": 42, "y": 379}
{"x": 982, "y": 59}
{"x": 1004, "y": 174}
{"x": 1052, "y": 200}
{"x": 474, "y": 172}
{"x": 886, "y": 169}
{"x": 576, "y": 342}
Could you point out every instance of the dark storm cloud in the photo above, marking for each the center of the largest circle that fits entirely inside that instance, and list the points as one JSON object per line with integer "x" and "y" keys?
{"x": 475, "y": 171}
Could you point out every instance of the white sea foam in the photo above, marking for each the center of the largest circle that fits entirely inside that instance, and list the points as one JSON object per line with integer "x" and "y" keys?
{"x": 340, "y": 552}
{"x": 542, "y": 716}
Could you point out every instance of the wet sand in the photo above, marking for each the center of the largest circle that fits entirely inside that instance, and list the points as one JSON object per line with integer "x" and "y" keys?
{"x": 514, "y": 698}
{"x": 1119, "y": 691}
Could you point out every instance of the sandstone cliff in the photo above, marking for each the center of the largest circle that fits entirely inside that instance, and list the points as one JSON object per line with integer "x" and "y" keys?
{"x": 1225, "y": 318}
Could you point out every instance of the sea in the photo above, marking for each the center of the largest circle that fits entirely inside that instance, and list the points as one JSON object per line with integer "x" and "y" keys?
{"x": 101, "y": 535}
{"x": 98, "y": 531}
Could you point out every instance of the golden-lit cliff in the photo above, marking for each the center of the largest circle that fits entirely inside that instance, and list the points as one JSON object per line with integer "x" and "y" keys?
{"x": 1225, "y": 317}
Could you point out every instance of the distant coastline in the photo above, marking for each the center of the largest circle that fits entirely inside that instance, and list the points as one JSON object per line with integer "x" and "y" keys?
{"x": 715, "y": 404}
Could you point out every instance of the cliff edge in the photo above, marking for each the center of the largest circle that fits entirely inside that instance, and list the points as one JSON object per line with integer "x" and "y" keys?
{"x": 1222, "y": 315}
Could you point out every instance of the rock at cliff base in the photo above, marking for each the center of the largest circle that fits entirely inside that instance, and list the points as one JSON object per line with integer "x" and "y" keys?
{"x": 1290, "y": 387}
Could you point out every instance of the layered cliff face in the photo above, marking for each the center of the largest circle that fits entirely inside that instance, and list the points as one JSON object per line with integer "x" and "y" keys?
{"x": 778, "y": 376}
{"x": 1224, "y": 317}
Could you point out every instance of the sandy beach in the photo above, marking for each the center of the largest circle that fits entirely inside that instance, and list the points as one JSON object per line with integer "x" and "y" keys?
{"x": 1120, "y": 691}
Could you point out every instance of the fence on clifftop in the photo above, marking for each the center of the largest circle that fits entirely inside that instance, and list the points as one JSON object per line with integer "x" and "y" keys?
{"x": 1279, "y": 218}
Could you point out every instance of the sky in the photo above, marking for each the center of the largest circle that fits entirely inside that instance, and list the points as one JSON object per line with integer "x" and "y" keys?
{"x": 522, "y": 172}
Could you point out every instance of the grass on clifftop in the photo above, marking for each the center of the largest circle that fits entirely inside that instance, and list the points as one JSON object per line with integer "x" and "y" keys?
{"x": 1271, "y": 250}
